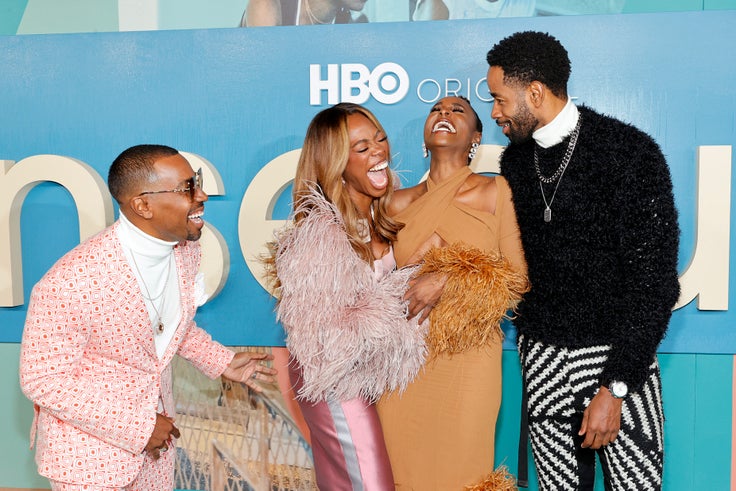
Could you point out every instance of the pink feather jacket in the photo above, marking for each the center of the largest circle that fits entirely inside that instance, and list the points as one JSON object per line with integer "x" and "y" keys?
{"x": 346, "y": 328}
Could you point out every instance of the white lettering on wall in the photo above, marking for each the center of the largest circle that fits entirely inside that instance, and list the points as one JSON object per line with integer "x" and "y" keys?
{"x": 430, "y": 90}
{"x": 331, "y": 84}
{"x": 388, "y": 83}
{"x": 706, "y": 277}
{"x": 90, "y": 194}
{"x": 255, "y": 223}
{"x": 215, "y": 253}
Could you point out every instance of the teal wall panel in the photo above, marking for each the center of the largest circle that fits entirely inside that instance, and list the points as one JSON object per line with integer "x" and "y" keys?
{"x": 199, "y": 14}
{"x": 54, "y": 16}
{"x": 11, "y": 12}
{"x": 17, "y": 468}
{"x": 712, "y": 420}
{"x": 641, "y": 6}
{"x": 697, "y": 398}
{"x": 719, "y": 4}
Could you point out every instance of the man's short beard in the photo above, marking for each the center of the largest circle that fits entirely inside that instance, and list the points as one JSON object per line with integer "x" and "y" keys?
{"x": 519, "y": 139}
{"x": 522, "y": 125}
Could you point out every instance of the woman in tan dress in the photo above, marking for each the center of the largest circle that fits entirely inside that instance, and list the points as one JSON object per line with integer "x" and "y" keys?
{"x": 462, "y": 227}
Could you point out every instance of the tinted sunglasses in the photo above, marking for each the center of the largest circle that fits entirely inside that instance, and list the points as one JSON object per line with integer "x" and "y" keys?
{"x": 191, "y": 186}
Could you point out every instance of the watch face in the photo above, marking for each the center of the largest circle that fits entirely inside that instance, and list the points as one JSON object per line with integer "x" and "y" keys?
{"x": 619, "y": 389}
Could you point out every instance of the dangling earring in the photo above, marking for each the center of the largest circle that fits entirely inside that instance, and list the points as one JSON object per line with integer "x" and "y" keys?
{"x": 473, "y": 150}
{"x": 424, "y": 150}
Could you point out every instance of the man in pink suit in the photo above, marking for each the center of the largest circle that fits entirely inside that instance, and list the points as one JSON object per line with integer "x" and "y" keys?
{"x": 102, "y": 328}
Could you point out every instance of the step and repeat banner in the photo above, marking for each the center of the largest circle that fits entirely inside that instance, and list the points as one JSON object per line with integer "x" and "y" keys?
{"x": 238, "y": 101}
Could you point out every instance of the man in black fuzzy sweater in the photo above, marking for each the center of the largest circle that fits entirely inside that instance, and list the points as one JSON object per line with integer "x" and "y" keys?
{"x": 594, "y": 202}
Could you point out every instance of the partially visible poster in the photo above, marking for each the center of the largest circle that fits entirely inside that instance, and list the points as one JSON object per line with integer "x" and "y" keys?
{"x": 76, "y": 16}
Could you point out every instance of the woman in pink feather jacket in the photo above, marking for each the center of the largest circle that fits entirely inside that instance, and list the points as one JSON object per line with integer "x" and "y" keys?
{"x": 340, "y": 297}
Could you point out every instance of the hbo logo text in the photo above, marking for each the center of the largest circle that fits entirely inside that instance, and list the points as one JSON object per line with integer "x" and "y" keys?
{"x": 388, "y": 83}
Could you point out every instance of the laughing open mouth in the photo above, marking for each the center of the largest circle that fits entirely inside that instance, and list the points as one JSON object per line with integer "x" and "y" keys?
{"x": 196, "y": 217}
{"x": 445, "y": 126}
{"x": 378, "y": 167}
{"x": 378, "y": 175}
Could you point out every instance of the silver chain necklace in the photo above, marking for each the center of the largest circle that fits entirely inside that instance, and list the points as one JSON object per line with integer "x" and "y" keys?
{"x": 558, "y": 173}
{"x": 158, "y": 324}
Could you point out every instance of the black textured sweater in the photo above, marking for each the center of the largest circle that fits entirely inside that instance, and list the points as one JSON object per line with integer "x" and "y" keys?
{"x": 603, "y": 271}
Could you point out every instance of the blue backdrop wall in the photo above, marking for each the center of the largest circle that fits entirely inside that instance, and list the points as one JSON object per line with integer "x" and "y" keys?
{"x": 241, "y": 98}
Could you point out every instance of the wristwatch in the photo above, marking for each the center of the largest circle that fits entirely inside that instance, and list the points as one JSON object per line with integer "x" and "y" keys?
{"x": 618, "y": 389}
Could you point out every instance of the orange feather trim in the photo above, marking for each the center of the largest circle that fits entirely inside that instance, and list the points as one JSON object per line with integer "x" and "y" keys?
{"x": 481, "y": 287}
{"x": 499, "y": 480}
{"x": 270, "y": 276}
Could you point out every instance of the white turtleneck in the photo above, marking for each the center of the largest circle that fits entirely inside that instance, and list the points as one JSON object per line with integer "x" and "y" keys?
{"x": 556, "y": 130}
{"x": 152, "y": 260}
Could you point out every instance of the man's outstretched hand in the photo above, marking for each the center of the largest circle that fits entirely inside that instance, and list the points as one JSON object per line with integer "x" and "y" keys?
{"x": 249, "y": 367}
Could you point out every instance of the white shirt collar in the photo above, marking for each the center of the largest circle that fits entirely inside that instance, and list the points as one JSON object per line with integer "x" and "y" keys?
{"x": 556, "y": 130}
{"x": 142, "y": 243}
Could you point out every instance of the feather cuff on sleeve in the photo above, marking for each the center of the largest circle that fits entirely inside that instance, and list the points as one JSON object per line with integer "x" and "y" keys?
{"x": 347, "y": 330}
{"x": 480, "y": 289}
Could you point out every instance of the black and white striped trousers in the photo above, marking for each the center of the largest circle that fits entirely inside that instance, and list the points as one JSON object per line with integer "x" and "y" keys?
{"x": 560, "y": 383}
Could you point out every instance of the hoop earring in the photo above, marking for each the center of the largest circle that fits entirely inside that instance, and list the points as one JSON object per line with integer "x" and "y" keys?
{"x": 473, "y": 150}
{"x": 425, "y": 152}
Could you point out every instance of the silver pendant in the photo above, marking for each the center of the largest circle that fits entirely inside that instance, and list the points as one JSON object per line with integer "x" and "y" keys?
{"x": 548, "y": 214}
{"x": 160, "y": 327}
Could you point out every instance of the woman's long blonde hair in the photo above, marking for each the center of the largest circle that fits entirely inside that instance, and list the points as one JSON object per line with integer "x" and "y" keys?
{"x": 323, "y": 160}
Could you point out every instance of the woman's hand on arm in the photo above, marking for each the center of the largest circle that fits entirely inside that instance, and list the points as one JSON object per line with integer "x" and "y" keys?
{"x": 423, "y": 294}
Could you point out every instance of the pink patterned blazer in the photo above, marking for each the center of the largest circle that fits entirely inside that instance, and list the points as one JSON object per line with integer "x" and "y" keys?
{"x": 89, "y": 364}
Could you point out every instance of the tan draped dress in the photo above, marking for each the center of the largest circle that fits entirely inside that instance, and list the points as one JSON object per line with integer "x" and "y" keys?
{"x": 440, "y": 431}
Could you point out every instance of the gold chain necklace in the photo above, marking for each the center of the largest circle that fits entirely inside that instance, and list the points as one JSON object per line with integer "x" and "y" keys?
{"x": 313, "y": 18}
